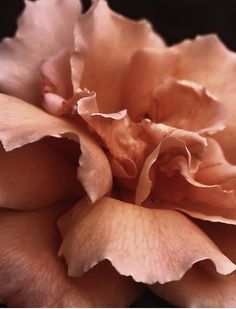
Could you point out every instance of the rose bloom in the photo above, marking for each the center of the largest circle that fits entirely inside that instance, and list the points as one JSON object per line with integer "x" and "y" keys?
{"x": 117, "y": 162}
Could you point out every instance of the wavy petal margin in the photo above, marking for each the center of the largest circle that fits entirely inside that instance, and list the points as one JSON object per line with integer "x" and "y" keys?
{"x": 151, "y": 245}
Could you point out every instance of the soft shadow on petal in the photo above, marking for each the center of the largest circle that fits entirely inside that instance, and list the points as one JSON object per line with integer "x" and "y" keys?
{"x": 202, "y": 286}
{"x": 187, "y": 105}
{"x": 149, "y": 244}
{"x": 207, "y": 61}
{"x": 44, "y": 28}
{"x": 107, "y": 41}
{"x": 31, "y": 274}
{"x": 148, "y": 68}
{"x": 23, "y": 123}
{"x": 35, "y": 176}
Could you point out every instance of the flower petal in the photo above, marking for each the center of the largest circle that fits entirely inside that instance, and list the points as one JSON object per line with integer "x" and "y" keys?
{"x": 209, "y": 194}
{"x": 202, "y": 286}
{"x": 31, "y": 275}
{"x": 187, "y": 105}
{"x": 35, "y": 176}
{"x": 205, "y": 60}
{"x": 100, "y": 32}
{"x": 172, "y": 142}
{"x": 44, "y": 28}
{"x": 148, "y": 68}
{"x": 22, "y": 123}
{"x": 149, "y": 244}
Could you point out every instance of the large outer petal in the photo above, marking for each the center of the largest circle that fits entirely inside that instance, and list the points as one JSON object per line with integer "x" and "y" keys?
{"x": 107, "y": 42}
{"x": 44, "y": 28}
{"x": 207, "y": 61}
{"x": 31, "y": 274}
{"x": 149, "y": 244}
{"x": 22, "y": 123}
{"x": 202, "y": 286}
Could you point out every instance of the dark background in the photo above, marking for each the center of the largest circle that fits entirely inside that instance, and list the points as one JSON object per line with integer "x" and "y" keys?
{"x": 175, "y": 20}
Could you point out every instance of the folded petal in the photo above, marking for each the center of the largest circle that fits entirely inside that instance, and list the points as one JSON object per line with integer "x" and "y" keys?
{"x": 187, "y": 105}
{"x": 207, "y": 61}
{"x": 22, "y": 123}
{"x": 100, "y": 32}
{"x": 125, "y": 140}
{"x": 35, "y": 176}
{"x": 202, "y": 286}
{"x": 31, "y": 274}
{"x": 44, "y": 28}
{"x": 148, "y": 244}
{"x": 170, "y": 143}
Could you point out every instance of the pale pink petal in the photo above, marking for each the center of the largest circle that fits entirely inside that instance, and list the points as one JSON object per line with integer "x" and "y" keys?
{"x": 106, "y": 41}
{"x": 207, "y": 61}
{"x": 31, "y": 274}
{"x": 202, "y": 286}
{"x": 35, "y": 176}
{"x": 22, "y": 123}
{"x": 187, "y": 105}
{"x": 148, "y": 244}
{"x": 44, "y": 28}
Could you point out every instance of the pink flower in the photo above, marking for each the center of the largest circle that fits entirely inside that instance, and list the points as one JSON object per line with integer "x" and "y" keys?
{"x": 117, "y": 165}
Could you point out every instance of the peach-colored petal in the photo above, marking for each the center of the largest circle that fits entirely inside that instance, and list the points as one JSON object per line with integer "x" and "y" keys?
{"x": 170, "y": 142}
{"x": 207, "y": 61}
{"x": 149, "y": 244}
{"x": 125, "y": 140}
{"x": 31, "y": 274}
{"x": 148, "y": 68}
{"x": 102, "y": 32}
{"x": 187, "y": 105}
{"x": 35, "y": 176}
{"x": 44, "y": 28}
{"x": 202, "y": 286}
{"x": 22, "y": 123}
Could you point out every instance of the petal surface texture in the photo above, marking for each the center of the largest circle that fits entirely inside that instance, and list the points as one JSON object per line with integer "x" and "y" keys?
{"x": 151, "y": 245}
{"x": 202, "y": 286}
{"x": 44, "y": 28}
{"x": 31, "y": 274}
{"x": 23, "y": 123}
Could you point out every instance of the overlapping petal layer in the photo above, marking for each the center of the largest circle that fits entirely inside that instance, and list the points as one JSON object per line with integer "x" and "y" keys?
{"x": 22, "y": 123}
{"x": 102, "y": 32}
{"x": 44, "y": 28}
{"x": 202, "y": 286}
{"x": 31, "y": 275}
{"x": 36, "y": 176}
{"x": 149, "y": 244}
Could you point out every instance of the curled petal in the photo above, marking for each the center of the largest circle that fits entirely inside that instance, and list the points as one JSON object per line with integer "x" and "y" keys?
{"x": 134, "y": 238}
{"x": 35, "y": 176}
{"x": 204, "y": 60}
{"x": 187, "y": 105}
{"x": 22, "y": 123}
{"x": 31, "y": 275}
{"x": 100, "y": 32}
{"x": 202, "y": 286}
{"x": 125, "y": 140}
{"x": 171, "y": 142}
{"x": 21, "y": 56}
